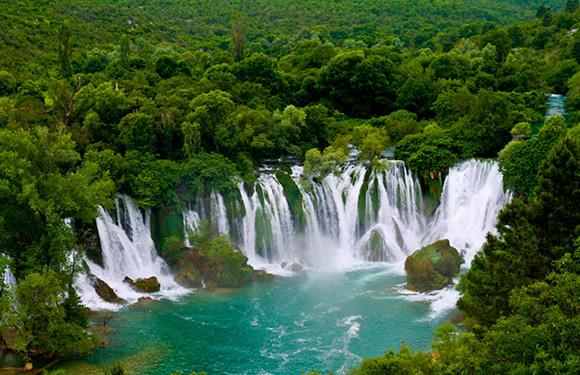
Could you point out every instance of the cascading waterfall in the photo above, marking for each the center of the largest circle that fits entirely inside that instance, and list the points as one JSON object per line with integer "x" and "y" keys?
{"x": 267, "y": 229}
{"x": 8, "y": 278}
{"x": 471, "y": 199}
{"x": 190, "y": 222}
{"x": 341, "y": 222}
{"x": 360, "y": 216}
{"x": 128, "y": 250}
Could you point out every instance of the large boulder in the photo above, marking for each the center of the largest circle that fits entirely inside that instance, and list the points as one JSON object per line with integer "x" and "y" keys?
{"x": 148, "y": 285}
{"x": 432, "y": 267}
{"x": 187, "y": 275}
{"x": 104, "y": 290}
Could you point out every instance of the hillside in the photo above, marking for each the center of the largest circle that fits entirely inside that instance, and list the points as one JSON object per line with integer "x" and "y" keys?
{"x": 30, "y": 28}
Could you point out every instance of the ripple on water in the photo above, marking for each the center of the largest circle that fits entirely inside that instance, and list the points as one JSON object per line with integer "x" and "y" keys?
{"x": 287, "y": 326}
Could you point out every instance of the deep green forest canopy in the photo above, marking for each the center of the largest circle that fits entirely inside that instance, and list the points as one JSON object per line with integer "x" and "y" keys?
{"x": 30, "y": 28}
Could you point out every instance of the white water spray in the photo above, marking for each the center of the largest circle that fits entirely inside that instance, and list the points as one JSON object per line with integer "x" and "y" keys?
{"x": 360, "y": 216}
{"x": 128, "y": 250}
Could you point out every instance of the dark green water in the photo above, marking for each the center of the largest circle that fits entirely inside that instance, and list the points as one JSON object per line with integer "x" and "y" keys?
{"x": 323, "y": 321}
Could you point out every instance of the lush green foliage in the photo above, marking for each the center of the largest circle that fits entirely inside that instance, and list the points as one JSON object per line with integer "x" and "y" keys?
{"x": 530, "y": 238}
{"x": 521, "y": 162}
{"x": 38, "y": 314}
{"x": 98, "y": 97}
{"x": 220, "y": 262}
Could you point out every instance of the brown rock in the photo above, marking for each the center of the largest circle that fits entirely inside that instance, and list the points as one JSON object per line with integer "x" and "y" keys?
{"x": 105, "y": 291}
{"x": 148, "y": 285}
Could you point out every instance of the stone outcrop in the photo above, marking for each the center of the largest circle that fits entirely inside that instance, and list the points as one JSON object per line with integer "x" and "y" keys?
{"x": 104, "y": 290}
{"x": 148, "y": 285}
{"x": 229, "y": 269}
{"x": 432, "y": 267}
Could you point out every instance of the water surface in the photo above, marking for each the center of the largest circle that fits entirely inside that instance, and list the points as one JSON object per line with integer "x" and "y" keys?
{"x": 314, "y": 320}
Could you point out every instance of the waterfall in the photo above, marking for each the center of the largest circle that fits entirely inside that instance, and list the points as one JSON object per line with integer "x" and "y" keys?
{"x": 219, "y": 213}
{"x": 127, "y": 250}
{"x": 8, "y": 278}
{"x": 358, "y": 216}
{"x": 343, "y": 221}
{"x": 190, "y": 222}
{"x": 268, "y": 234}
{"x": 471, "y": 199}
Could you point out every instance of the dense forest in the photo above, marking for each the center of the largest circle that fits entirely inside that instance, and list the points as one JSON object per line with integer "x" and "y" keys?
{"x": 166, "y": 101}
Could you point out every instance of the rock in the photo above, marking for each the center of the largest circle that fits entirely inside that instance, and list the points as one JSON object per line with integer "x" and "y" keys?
{"x": 105, "y": 291}
{"x": 261, "y": 275}
{"x": 149, "y": 285}
{"x": 432, "y": 267}
{"x": 188, "y": 276}
{"x": 145, "y": 299}
{"x": 375, "y": 249}
{"x": 296, "y": 267}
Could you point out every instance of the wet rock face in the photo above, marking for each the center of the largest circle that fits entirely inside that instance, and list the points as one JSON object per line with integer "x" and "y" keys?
{"x": 105, "y": 291}
{"x": 432, "y": 267}
{"x": 148, "y": 285}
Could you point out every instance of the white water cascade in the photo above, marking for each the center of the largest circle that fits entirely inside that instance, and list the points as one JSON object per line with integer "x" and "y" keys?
{"x": 360, "y": 216}
{"x": 471, "y": 199}
{"x": 128, "y": 250}
{"x": 8, "y": 278}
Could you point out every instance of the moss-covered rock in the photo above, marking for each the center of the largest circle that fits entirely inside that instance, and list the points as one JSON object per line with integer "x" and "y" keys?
{"x": 104, "y": 290}
{"x": 375, "y": 249}
{"x": 187, "y": 275}
{"x": 261, "y": 275}
{"x": 148, "y": 285}
{"x": 432, "y": 267}
{"x": 213, "y": 260}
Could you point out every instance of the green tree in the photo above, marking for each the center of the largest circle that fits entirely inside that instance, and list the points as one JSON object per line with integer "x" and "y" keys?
{"x": 531, "y": 237}
{"x": 42, "y": 182}
{"x": 357, "y": 85}
{"x": 116, "y": 369}
{"x": 405, "y": 362}
{"x": 40, "y": 320}
{"x": 521, "y": 164}
{"x": 137, "y": 132}
{"x": 289, "y": 126}
{"x": 64, "y": 50}
{"x": 370, "y": 141}
{"x": 125, "y": 52}
{"x": 7, "y": 83}
{"x": 210, "y": 111}
{"x": 317, "y": 165}
{"x": 239, "y": 36}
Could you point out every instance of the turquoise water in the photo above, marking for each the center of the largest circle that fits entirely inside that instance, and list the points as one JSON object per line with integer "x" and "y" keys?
{"x": 322, "y": 321}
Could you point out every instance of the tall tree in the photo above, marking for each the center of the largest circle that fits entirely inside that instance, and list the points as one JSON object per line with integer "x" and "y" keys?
{"x": 239, "y": 36}
{"x": 125, "y": 50}
{"x": 64, "y": 50}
